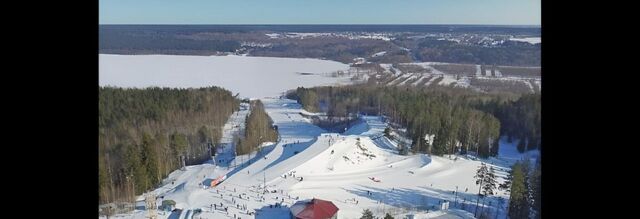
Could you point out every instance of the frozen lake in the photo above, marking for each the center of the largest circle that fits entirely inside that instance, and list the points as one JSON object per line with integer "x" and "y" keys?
{"x": 254, "y": 77}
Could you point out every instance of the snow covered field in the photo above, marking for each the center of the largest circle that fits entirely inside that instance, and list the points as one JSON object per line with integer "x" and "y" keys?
{"x": 250, "y": 76}
{"x": 531, "y": 40}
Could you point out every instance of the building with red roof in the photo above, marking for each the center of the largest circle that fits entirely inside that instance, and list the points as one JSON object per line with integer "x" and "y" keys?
{"x": 314, "y": 209}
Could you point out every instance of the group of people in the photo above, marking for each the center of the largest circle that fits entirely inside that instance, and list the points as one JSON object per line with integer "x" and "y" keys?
{"x": 241, "y": 207}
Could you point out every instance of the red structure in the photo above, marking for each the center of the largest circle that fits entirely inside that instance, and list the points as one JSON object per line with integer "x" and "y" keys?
{"x": 314, "y": 209}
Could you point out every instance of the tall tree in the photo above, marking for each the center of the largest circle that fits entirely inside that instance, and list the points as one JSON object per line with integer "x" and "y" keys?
{"x": 149, "y": 157}
{"x": 536, "y": 185}
{"x": 366, "y": 214}
{"x": 519, "y": 198}
{"x": 480, "y": 176}
{"x": 486, "y": 179}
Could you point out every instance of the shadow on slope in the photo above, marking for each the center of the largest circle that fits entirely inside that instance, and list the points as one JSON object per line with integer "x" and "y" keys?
{"x": 426, "y": 198}
{"x": 290, "y": 150}
{"x": 267, "y": 212}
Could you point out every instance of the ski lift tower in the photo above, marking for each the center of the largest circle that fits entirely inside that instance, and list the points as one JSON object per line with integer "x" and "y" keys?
{"x": 151, "y": 205}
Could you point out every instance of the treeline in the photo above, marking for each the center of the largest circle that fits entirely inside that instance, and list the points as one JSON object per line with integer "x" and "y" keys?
{"x": 445, "y": 113}
{"x": 127, "y": 41}
{"x": 525, "y": 185}
{"x": 457, "y": 117}
{"x": 143, "y": 133}
{"x": 332, "y": 48}
{"x": 520, "y": 119}
{"x": 259, "y": 128}
{"x": 431, "y": 49}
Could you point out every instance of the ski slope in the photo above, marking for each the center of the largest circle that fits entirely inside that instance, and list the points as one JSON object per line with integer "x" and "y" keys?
{"x": 301, "y": 165}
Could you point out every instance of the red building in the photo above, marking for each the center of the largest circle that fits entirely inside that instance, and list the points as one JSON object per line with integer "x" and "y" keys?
{"x": 314, "y": 209}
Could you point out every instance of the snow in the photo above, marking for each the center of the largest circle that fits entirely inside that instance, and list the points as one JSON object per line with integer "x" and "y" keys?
{"x": 386, "y": 67}
{"x": 379, "y": 54}
{"x": 273, "y": 35}
{"x": 531, "y": 40}
{"x": 528, "y": 83}
{"x": 400, "y": 79}
{"x": 447, "y": 79}
{"x": 407, "y": 184}
{"x": 423, "y": 77}
{"x": 430, "y": 81}
{"x": 413, "y": 76}
{"x": 249, "y": 76}
{"x": 306, "y": 161}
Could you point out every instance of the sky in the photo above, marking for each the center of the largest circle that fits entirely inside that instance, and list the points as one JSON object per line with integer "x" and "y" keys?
{"x": 486, "y": 12}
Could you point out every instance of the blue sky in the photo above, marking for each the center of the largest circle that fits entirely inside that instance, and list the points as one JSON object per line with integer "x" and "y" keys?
{"x": 501, "y": 12}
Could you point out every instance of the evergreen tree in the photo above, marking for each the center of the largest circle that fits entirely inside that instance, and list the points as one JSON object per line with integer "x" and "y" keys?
{"x": 521, "y": 146}
{"x": 536, "y": 184}
{"x": 136, "y": 169}
{"x": 203, "y": 134}
{"x": 150, "y": 159}
{"x": 489, "y": 182}
{"x": 388, "y": 216}
{"x": 486, "y": 179}
{"x": 179, "y": 143}
{"x": 506, "y": 185}
{"x": 480, "y": 176}
{"x": 366, "y": 214}
{"x": 519, "y": 198}
{"x": 387, "y": 132}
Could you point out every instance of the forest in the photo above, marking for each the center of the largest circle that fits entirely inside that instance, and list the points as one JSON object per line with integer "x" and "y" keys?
{"x": 508, "y": 53}
{"x": 461, "y": 120}
{"x": 259, "y": 129}
{"x": 145, "y": 134}
{"x": 122, "y": 41}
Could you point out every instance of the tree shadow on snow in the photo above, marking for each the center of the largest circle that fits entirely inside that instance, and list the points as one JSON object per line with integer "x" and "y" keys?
{"x": 265, "y": 150}
{"x": 175, "y": 214}
{"x": 425, "y": 198}
{"x": 290, "y": 150}
{"x": 268, "y": 213}
{"x": 299, "y": 129}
